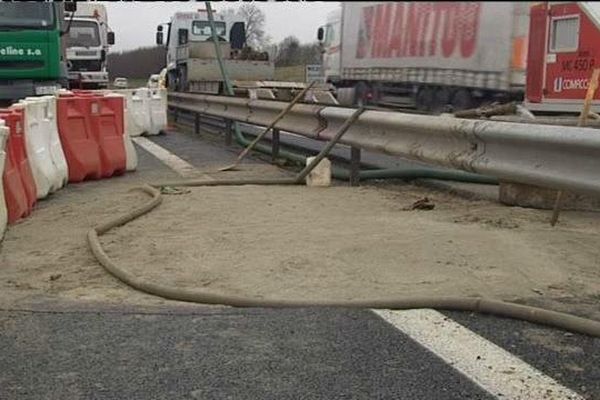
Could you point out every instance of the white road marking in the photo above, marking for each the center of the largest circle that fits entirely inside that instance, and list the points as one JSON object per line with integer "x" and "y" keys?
{"x": 497, "y": 371}
{"x": 178, "y": 165}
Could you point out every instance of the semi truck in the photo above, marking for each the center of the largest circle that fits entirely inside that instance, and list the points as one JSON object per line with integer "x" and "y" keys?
{"x": 542, "y": 52}
{"x": 32, "y": 57}
{"x": 88, "y": 44}
{"x": 434, "y": 56}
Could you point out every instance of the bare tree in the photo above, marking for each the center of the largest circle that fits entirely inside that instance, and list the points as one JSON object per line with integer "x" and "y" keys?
{"x": 290, "y": 52}
{"x": 254, "y": 20}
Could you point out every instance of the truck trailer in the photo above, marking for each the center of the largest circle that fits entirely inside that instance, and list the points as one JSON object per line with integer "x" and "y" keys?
{"x": 433, "y": 56}
{"x": 88, "y": 43}
{"x": 32, "y": 57}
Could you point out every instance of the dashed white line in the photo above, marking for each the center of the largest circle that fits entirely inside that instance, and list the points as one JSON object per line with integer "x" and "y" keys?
{"x": 497, "y": 371}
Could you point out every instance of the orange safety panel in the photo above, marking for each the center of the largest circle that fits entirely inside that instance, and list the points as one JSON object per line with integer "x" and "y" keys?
{"x": 19, "y": 186}
{"x": 91, "y": 129}
{"x": 108, "y": 127}
{"x": 78, "y": 142}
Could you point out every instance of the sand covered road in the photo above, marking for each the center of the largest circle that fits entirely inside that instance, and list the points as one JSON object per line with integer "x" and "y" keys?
{"x": 299, "y": 242}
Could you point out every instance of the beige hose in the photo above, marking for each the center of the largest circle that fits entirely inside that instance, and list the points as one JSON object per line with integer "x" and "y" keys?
{"x": 500, "y": 308}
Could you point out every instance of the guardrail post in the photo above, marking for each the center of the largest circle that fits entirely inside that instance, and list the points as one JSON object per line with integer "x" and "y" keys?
{"x": 354, "y": 166}
{"x": 228, "y": 132}
{"x": 275, "y": 145}
{"x": 196, "y": 123}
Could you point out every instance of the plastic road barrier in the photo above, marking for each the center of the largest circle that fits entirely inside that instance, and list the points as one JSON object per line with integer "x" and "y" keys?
{"x": 130, "y": 153}
{"x": 47, "y": 175}
{"x": 21, "y": 179}
{"x": 91, "y": 129}
{"x": 106, "y": 113}
{"x": 3, "y": 208}
{"x": 40, "y": 119}
{"x": 17, "y": 154}
{"x": 14, "y": 195}
{"x": 158, "y": 111}
{"x": 137, "y": 111}
{"x": 78, "y": 142}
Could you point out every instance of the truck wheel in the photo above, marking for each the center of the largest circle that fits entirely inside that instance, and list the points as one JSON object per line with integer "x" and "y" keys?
{"x": 441, "y": 100}
{"x": 360, "y": 94}
{"x": 181, "y": 80}
{"x": 425, "y": 98}
{"x": 462, "y": 100}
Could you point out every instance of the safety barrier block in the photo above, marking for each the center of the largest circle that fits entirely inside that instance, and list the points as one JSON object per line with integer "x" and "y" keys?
{"x": 106, "y": 115}
{"x": 158, "y": 111}
{"x": 137, "y": 110}
{"x": 47, "y": 175}
{"x": 18, "y": 177}
{"x": 79, "y": 144}
{"x": 40, "y": 114}
{"x": 130, "y": 153}
{"x": 3, "y": 207}
{"x": 14, "y": 198}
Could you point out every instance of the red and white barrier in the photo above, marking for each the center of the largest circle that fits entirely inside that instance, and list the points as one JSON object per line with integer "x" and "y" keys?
{"x": 48, "y": 141}
{"x": 3, "y": 209}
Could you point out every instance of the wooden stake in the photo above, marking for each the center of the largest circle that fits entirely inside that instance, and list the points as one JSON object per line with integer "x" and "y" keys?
{"x": 587, "y": 104}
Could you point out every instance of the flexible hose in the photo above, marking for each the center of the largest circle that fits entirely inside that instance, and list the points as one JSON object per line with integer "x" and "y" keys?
{"x": 527, "y": 313}
{"x": 474, "y": 304}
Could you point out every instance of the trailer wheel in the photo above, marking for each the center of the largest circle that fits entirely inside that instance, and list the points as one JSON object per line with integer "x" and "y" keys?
{"x": 462, "y": 100}
{"x": 441, "y": 100}
{"x": 360, "y": 94}
{"x": 425, "y": 98}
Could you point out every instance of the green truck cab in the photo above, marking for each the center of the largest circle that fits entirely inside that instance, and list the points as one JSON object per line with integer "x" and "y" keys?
{"x": 32, "y": 52}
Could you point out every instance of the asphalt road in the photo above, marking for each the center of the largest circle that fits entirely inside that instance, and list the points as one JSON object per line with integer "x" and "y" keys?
{"x": 56, "y": 350}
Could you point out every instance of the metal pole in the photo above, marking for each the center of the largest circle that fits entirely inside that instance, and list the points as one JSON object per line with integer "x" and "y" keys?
{"x": 325, "y": 151}
{"x": 228, "y": 132}
{"x": 354, "y": 166}
{"x": 275, "y": 145}
{"x": 279, "y": 116}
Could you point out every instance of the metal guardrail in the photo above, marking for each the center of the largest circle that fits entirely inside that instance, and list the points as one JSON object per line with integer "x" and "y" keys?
{"x": 556, "y": 157}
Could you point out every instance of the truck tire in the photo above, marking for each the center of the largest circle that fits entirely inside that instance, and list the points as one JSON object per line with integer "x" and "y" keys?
{"x": 441, "y": 100}
{"x": 182, "y": 84}
{"x": 462, "y": 100}
{"x": 425, "y": 98}
{"x": 360, "y": 94}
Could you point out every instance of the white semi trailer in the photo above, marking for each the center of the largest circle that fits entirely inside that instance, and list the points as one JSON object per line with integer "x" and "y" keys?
{"x": 432, "y": 55}
{"x": 87, "y": 44}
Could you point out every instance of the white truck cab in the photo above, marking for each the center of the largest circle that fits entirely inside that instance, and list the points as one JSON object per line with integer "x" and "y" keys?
{"x": 329, "y": 37}
{"x": 87, "y": 45}
{"x": 191, "y": 56}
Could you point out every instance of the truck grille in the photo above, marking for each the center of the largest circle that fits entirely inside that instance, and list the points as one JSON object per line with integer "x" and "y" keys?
{"x": 21, "y": 64}
{"x": 86, "y": 65}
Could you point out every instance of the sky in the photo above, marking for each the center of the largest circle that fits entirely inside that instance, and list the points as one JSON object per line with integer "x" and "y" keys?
{"x": 134, "y": 23}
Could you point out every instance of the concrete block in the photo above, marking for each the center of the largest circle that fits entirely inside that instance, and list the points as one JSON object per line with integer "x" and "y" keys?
{"x": 518, "y": 194}
{"x": 321, "y": 175}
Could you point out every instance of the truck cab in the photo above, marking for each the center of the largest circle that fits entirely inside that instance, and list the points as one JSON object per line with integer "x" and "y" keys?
{"x": 191, "y": 57}
{"x": 329, "y": 37}
{"x": 88, "y": 43}
{"x": 564, "y": 43}
{"x": 32, "y": 58}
